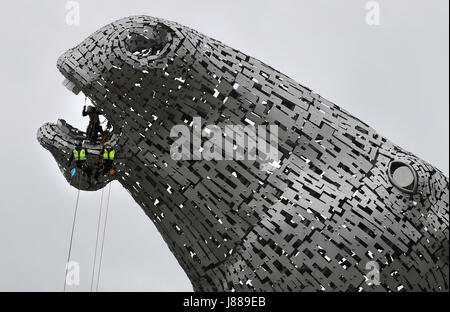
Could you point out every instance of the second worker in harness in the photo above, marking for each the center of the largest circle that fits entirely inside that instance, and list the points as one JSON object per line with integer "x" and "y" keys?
{"x": 107, "y": 161}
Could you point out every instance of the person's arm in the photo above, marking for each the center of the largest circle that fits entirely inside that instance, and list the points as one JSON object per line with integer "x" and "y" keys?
{"x": 70, "y": 160}
{"x": 101, "y": 159}
{"x": 83, "y": 113}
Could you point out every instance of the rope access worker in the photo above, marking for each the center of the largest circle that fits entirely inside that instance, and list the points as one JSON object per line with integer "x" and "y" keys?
{"x": 79, "y": 155}
{"x": 107, "y": 161}
{"x": 94, "y": 122}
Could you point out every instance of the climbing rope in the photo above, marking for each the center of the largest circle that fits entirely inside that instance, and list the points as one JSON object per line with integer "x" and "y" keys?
{"x": 97, "y": 236}
{"x": 71, "y": 235}
{"x": 96, "y": 239}
{"x": 103, "y": 238}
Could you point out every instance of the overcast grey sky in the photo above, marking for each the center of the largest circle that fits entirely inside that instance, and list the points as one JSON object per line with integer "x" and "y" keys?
{"x": 393, "y": 76}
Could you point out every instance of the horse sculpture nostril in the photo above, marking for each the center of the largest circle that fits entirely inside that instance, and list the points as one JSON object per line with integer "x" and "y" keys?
{"x": 143, "y": 45}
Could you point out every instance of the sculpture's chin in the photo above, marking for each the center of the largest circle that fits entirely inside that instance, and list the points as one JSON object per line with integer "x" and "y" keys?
{"x": 60, "y": 140}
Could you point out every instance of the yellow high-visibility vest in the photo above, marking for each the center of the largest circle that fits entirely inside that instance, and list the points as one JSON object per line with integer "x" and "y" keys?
{"x": 108, "y": 154}
{"x": 79, "y": 155}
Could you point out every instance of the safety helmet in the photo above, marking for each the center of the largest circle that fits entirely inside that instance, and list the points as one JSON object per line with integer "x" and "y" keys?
{"x": 78, "y": 144}
{"x": 112, "y": 171}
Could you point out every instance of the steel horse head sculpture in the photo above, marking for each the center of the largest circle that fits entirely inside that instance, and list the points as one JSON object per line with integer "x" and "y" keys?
{"x": 341, "y": 203}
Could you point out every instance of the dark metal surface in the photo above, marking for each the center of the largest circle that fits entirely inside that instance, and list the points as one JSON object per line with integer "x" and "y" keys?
{"x": 313, "y": 224}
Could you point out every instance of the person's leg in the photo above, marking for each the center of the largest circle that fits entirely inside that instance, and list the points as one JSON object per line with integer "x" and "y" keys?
{"x": 88, "y": 172}
{"x": 97, "y": 173}
{"x": 78, "y": 168}
{"x": 99, "y": 130}
{"x": 95, "y": 130}
{"x": 89, "y": 131}
{"x": 98, "y": 170}
{"x": 108, "y": 166}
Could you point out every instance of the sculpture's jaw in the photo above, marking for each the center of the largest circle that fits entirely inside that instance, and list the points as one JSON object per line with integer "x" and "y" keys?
{"x": 60, "y": 140}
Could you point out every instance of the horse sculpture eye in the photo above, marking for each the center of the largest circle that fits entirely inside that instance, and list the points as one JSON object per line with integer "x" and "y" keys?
{"x": 403, "y": 176}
